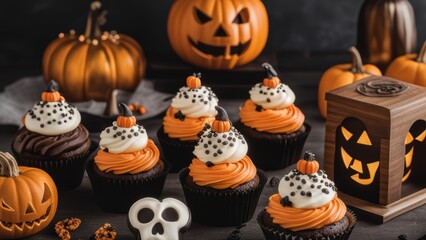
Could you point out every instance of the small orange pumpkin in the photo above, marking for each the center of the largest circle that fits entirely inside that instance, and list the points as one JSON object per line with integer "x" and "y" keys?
{"x": 52, "y": 94}
{"x": 221, "y": 123}
{"x": 308, "y": 165}
{"x": 28, "y": 199}
{"x": 341, "y": 75}
{"x": 194, "y": 81}
{"x": 410, "y": 68}
{"x": 126, "y": 119}
{"x": 89, "y": 66}
{"x": 272, "y": 79}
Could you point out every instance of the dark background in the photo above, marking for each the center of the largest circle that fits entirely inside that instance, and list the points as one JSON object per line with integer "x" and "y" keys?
{"x": 302, "y": 26}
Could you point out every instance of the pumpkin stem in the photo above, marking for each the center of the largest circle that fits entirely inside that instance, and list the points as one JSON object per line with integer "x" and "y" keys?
{"x": 309, "y": 156}
{"x": 95, "y": 19}
{"x": 422, "y": 54}
{"x": 197, "y": 75}
{"x": 270, "y": 71}
{"x": 8, "y": 165}
{"x": 52, "y": 86}
{"x": 356, "y": 60}
{"x": 221, "y": 115}
{"x": 125, "y": 111}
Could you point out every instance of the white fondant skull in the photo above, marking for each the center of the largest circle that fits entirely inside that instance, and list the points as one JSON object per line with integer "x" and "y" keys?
{"x": 157, "y": 220}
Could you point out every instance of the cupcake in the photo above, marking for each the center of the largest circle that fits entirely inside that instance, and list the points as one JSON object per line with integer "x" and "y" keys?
{"x": 273, "y": 126}
{"x": 222, "y": 185}
{"x": 192, "y": 108}
{"x": 306, "y": 206}
{"x": 127, "y": 165}
{"x": 53, "y": 139}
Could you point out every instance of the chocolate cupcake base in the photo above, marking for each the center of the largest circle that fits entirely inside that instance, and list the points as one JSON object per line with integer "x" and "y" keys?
{"x": 177, "y": 152}
{"x": 216, "y": 208}
{"x": 272, "y": 233}
{"x": 272, "y": 151}
{"x": 116, "y": 193}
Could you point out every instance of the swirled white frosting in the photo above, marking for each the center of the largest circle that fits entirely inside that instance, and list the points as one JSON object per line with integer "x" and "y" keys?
{"x": 52, "y": 118}
{"x": 272, "y": 98}
{"x": 307, "y": 191}
{"x": 123, "y": 140}
{"x": 220, "y": 147}
{"x": 195, "y": 103}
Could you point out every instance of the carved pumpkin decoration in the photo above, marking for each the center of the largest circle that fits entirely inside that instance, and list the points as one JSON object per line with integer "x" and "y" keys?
{"x": 414, "y": 147}
{"x": 89, "y": 66}
{"x": 221, "y": 123}
{"x": 194, "y": 81}
{"x": 28, "y": 199}
{"x": 218, "y": 34}
{"x": 386, "y": 30}
{"x": 341, "y": 75}
{"x": 357, "y": 160}
{"x": 308, "y": 165}
{"x": 410, "y": 68}
{"x": 126, "y": 119}
{"x": 52, "y": 94}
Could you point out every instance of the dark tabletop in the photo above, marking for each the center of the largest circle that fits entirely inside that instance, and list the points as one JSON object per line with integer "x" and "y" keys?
{"x": 80, "y": 202}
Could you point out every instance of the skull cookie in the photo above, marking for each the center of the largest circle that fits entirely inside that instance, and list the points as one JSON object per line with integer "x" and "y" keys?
{"x": 151, "y": 219}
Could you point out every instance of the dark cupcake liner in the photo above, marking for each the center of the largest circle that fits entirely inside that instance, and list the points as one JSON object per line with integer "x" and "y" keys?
{"x": 66, "y": 173}
{"x": 116, "y": 195}
{"x": 274, "y": 234}
{"x": 215, "y": 208}
{"x": 177, "y": 152}
{"x": 273, "y": 151}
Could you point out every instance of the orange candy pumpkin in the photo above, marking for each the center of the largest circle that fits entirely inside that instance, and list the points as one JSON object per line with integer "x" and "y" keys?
{"x": 343, "y": 74}
{"x": 28, "y": 199}
{"x": 218, "y": 34}
{"x": 89, "y": 66}
{"x": 52, "y": 94}
{"x": 221, "y": 123}
{"x": 126, "y": 119}
{"x": 272, "y": 80}
{"x": 409, "y": 68}
{"x": 194, "y": 81}
{"x": 308, "y": 165}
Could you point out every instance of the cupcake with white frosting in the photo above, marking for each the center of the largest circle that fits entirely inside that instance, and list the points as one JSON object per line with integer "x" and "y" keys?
{"x": 274, "y": 127}
{"x": 192, "y": 108}
{"x": 306, "y": 206}
{"x": 222, "y": 185}
{"x": 127, "y": 165}
{"x": 53, "y": 139}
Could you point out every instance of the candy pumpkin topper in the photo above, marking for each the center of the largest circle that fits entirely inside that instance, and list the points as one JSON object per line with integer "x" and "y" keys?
{"x": 52, "y": 94}
{"x": 308, "y": 165}
{"x": 221, "y": 123}
{"x": 272, "y": 79}
{"x": 126, "y": 119}
{"x": 194, "y": 81}
{"x": 89, "y": 66}
{"x": 28, "y": 199}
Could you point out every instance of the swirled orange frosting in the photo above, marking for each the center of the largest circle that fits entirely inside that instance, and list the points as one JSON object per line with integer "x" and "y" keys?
{"x": 133, "y": 163}
{"x": 223, "y": 175}
{"x": 285, "y": 120}
{"x": 184, "y": 130}
{"x": 301, "y": 219}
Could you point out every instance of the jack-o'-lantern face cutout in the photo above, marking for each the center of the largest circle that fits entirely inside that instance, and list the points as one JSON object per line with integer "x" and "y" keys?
{"x": 218, "y": 34}
{"x": 357, "y": 158}
{"x": 414, "y": 141}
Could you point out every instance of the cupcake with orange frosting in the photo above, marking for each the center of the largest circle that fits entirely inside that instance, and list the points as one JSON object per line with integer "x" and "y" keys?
{"x": 191, "y": 110}
{"x": 274, "y": 127}
{"x": 127, "y": 166}
{"x": 54, "y": 139}
{"x": 222, "y": 185}
{"x": 306, "y": 206}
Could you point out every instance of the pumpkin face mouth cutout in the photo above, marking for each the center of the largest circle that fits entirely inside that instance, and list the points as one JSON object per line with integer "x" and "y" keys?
{"x": 217, "y": 51}
{"x": 27, "y": 224}
{"x": 365, "y": 173}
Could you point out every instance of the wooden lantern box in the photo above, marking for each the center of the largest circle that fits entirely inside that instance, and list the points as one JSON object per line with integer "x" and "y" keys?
{"x": 375, "y": 146}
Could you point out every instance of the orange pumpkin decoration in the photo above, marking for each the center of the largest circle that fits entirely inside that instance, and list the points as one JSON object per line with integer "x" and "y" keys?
{"x": 218, "y": 34}
{"x": 89, "y": 66}
{"x": 28, "y": 199}
{"x": 221, "y": 123}
{"x": 410, "y": 68}
{"x": 272, "y": 80}
{"x": 343, "y": 74}
{"x": 52, "y": 94}
{"x": 126, "y": 119}
{"x": 194, "y": 81}
{"x": 308, "y": 165}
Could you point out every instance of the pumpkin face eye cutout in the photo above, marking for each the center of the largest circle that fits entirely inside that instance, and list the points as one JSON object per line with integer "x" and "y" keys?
{"x": 6, "y": 207}
{"x": 201, "y": 17}
{"x": 47, "y": 195}
{"x": 357, "y": 156}
{"x": 242, "y": 17}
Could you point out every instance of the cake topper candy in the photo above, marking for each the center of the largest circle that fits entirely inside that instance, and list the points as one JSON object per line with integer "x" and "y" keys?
{"x": 152, "y": 219}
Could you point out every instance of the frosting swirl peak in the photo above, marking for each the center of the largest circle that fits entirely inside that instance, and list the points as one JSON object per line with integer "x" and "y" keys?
{"x": 122, "y": 139}
{"x": 195, "y": 102}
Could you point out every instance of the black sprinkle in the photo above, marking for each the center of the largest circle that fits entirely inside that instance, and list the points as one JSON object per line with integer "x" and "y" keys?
{"x": 291, "y": 184}
{"x": 287, "y": 178}
{"x": 324, "y": 190}
{"x": 319, "y": 186}
{"x": 299, "y": 187}
{"x": 123, "y": 137}
{"x": 303, "y": 181}
{"x": 49, "y": 122}
{"x": 292, "y": 194}
{"x": 285, "y": 202}
{"x": 207, "y": 152}
{"x": 59, "y": 122}
{"x": 209, "y": 164}
{"x": 225, "y": 143}
{"x": 107, "y": 131}
{"x": 258, "y": 108}
{"x": 312, "y": 186}
{"x": 119, "y": 133}
{"x": 302, "y": 193}
{"x": 129, "y": 136}
{"x": 214, "y": 154}
{"x": 268, "y": 100}
{"x": 114, "y": 136}
{"x": 297, "y": 178}
{"x": 42, "y": 125}
{"x": 114, "y": 128}
{"x": 309, "y": 194}
{"x": 219, "y": 151}
{"x": 136, "y": 134}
